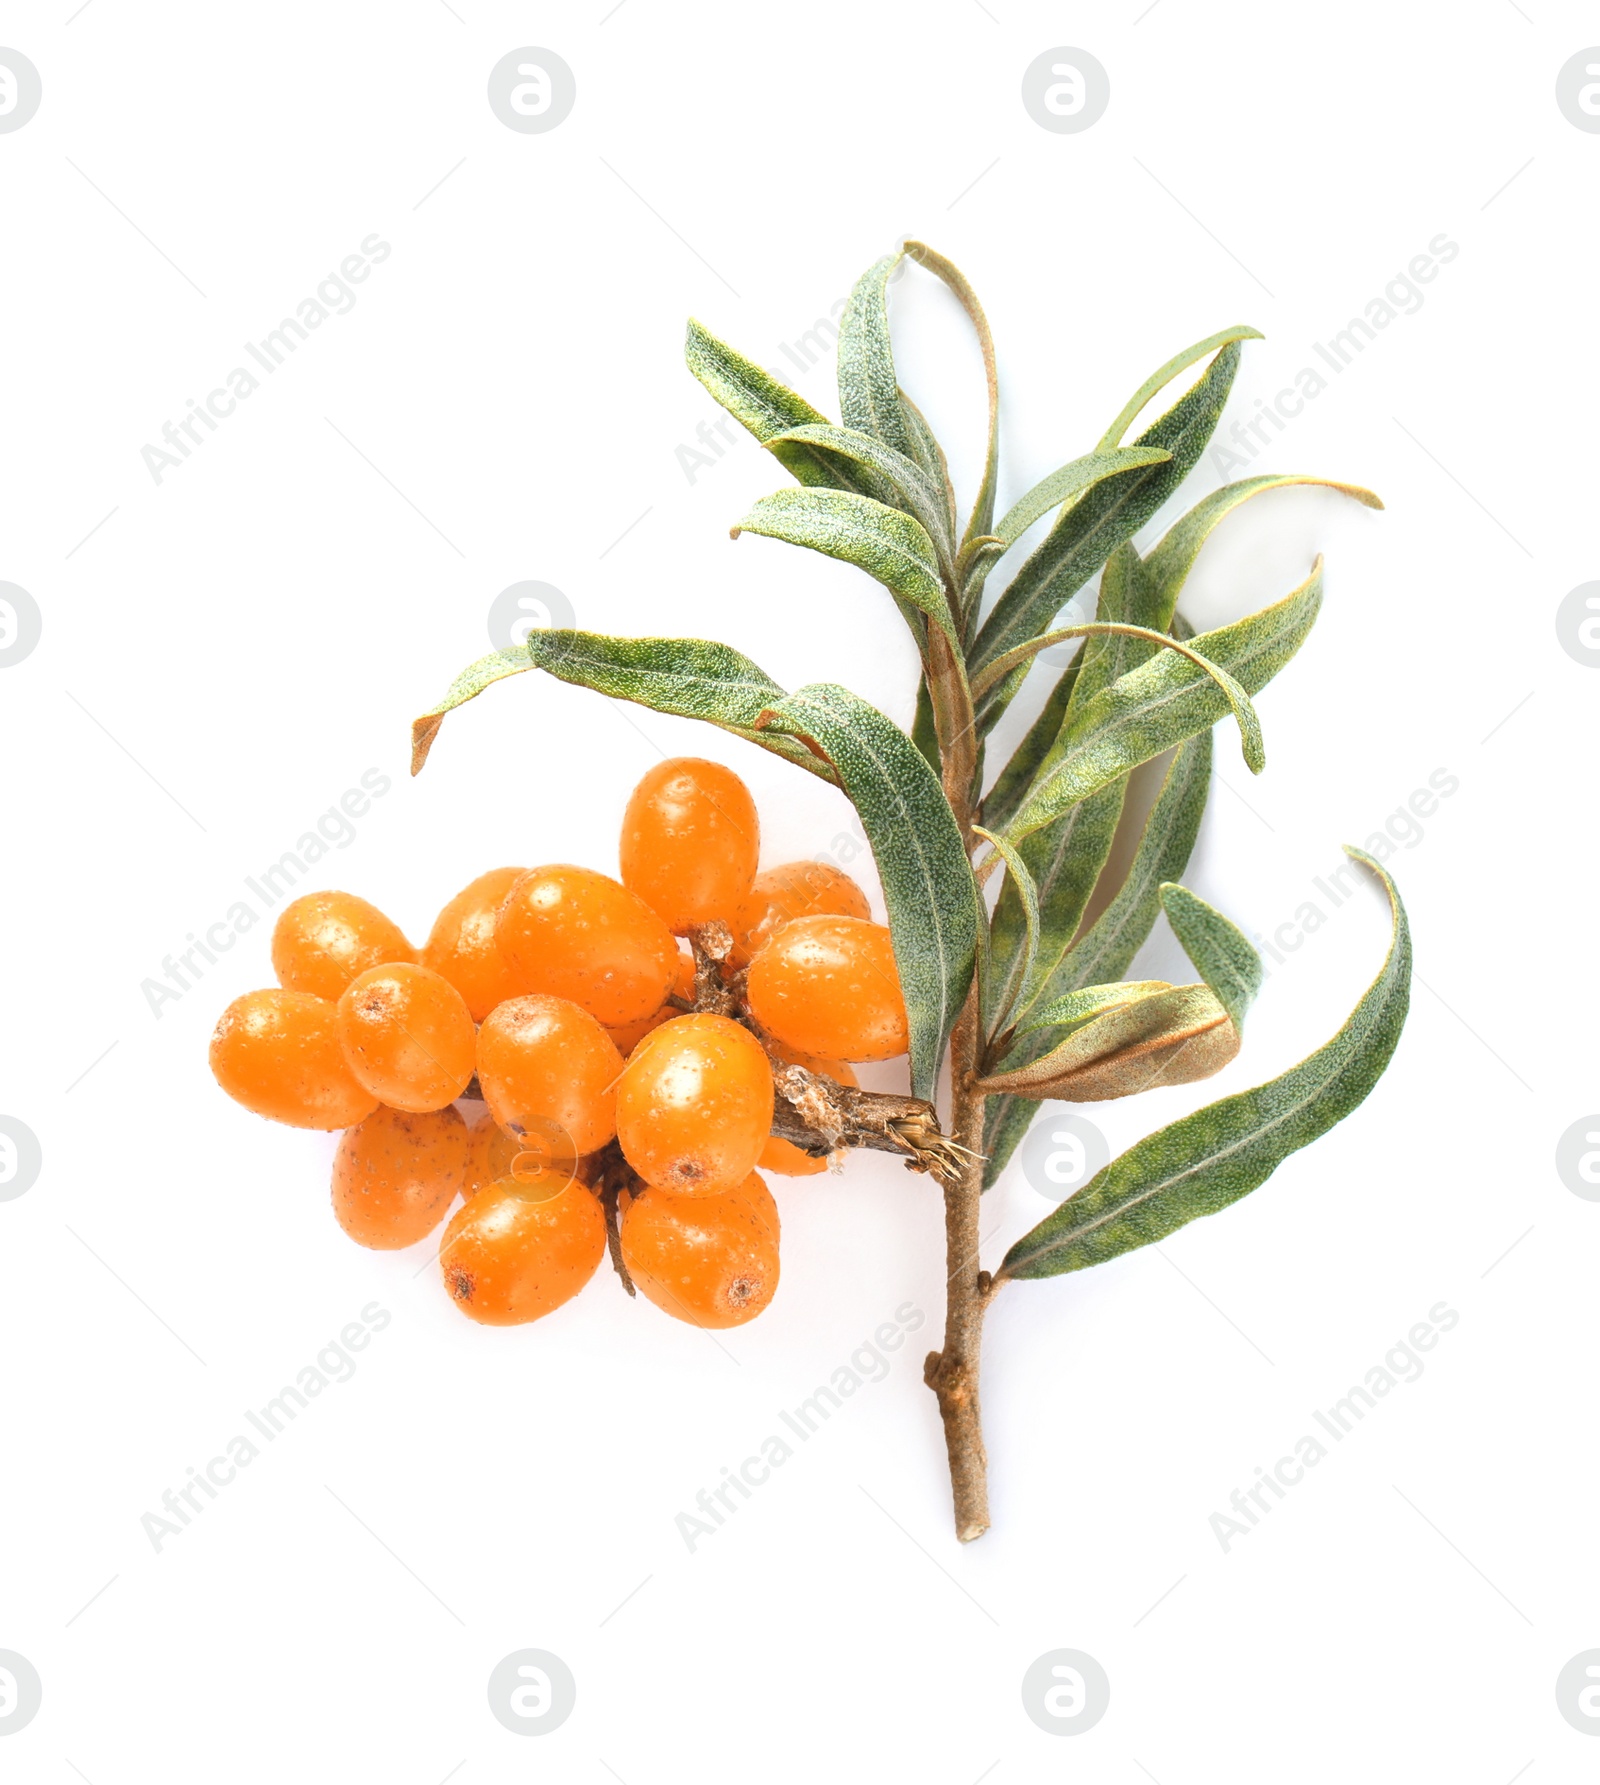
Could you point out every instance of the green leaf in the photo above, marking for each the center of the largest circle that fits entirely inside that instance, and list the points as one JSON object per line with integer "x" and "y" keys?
{"x": 918, "y": 494}
{"x": 1249, "y": 725}
{"x": 886, "y": 544}
{"x": 1167, "y": 567}
{"x": 932, "y": 900}
{"x": 1020, "y": 980}
{"x": 1064, "y": 859}
{"x": 1108, "y": 946}
{"x": 1164, "y": 375}
{"x": 691, "y": 677}
{"x": 1168, "y": 1036}
{"x": 1210, "y": 1159}
{"x": 1221, "y": 955}
{"x": 1093, "y": 527}
{"x": 929, "y": 455}
{"x": 767, "y": 408}
{"x": 467, "y": 686}
{"x": 1070, "y": 481}
{"x": 1001, "y": 801}
{"x": 869, "y": 394}
{"x": 983, "y": 507}
{"x": 1005, "y": 1121}
{"x": 924, "y": 731}
{"x": 1077, "y": 1008}
{"x": 1162, "y": 702}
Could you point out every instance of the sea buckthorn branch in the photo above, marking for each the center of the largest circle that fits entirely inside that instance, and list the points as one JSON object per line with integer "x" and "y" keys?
{"x": 811, "y": 1111}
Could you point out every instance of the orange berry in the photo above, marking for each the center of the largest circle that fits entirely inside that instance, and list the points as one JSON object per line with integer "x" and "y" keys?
{"x": 828, "y": 985}
{"x": 794, "y": 889}
{"x": 323, "y": 940}
{"x": 461, "y": 945}
{"x": 690, "y": 842}
{"x": 407, "y": 1035}
{"x": 278, "y": 1054}
{"x": 544, "y": 1060}
{"x": 395, "y": 1175}
{"x": 627, "y": 1036}
{"x": 783, "y": 1156}
{"x": 708, "y": 1260}
{"x": 572, "y": 933}
{"x": 521, "y": 1247}
{"x": 694, "y": 1106}
{"x": 490, "y": 1153}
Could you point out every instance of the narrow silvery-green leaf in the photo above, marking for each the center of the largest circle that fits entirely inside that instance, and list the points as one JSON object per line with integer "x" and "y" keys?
{"x": 1094, "y": 526}
{"x": 1134, "y": 1044}
{"x": 924, "y": 731}
{"x": 1064, "y": 859}
{"x": 1222, "y": 956}
{"x": 932, "y": 900}
{"x": 1076, "y": 1008}
{"x": 693, "y": 678}
{"x": 918, "y": 494}
{"x": 1201, "y": 1164}
{"x": 1002, "y": 800}
{"x": 1072, "y": 480}
{"x": 1164, "y": 375}
{"x": 754, "y": 398}
{"x": 929, "y": 455}
{"x": 983, "y": 507}
{"x": 1005, "y": 1121}
{"x": 1162, "y": 702}
{"x": 467, "y": 686}
{"x": 1107, "y": 947}
{"x": 869, "y": 393}
{"x": 1238, "y": 699}
{"x": 1169, "y": 562}
{"x": 888, "y": 545}
{"x": 1027, "y": 896}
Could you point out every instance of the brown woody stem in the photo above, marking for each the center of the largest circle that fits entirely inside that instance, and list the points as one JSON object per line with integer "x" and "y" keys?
{"x": 952, "y": 1373}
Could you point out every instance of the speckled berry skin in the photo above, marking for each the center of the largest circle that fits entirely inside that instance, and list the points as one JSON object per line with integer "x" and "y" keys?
{"x": 829, "y": 986}
{"x": 708, "y": 1260}
{"x": 277, "y": 1052}
{"x": 694, "y": 1106}
{"x": 396, "y": 1174}
{"x": 572, "y": 933}
{"x": 690, "y": 843}
{"x": 521, "y": 1247}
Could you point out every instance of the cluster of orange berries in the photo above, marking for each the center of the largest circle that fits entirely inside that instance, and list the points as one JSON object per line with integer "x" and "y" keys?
{"x": 567, "y": 996}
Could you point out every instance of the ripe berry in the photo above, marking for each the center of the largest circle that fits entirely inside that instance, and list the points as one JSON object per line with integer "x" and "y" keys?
{"x": 783, "y": 1156}
{"x": 278, "y": 1054}
{"x": 794, "y": 889}
{"x": 323, "y": 940}
{"x": 828, "y": 985}
{"x": 708, "y": 1260}
{"x": 571, "y": 933}
{"x": 407, "y": 1035}
{"x": 490, "y": 1152}
{"x": 545, "y": 1060}
{"x": 690, "y": 842}
{"x": 521, "y": 1247}
{"x": 627, "y": 1036}
{"x": 461, "y": 945}
{"x": 694, "y": 1106}
{"x": 395, "y": 1175}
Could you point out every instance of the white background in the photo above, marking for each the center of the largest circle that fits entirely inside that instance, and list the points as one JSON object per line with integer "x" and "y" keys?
{"x": 230, "y": 649}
